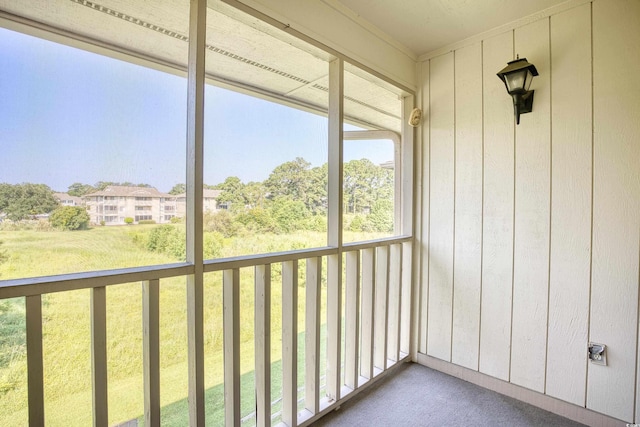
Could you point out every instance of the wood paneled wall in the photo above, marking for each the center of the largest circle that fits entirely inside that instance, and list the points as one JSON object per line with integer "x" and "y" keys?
{"x": 530, "y": 234}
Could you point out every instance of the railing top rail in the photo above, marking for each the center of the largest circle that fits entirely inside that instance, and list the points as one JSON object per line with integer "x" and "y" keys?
{"x": 91, "y": 279}
{"x": 355, "y": 246}
{"x": 262, "y": 259}
{"x": 68, "y": 282}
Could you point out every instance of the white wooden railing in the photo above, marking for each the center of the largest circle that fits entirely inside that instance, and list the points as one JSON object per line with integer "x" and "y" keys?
{"x": 371, "y": 294}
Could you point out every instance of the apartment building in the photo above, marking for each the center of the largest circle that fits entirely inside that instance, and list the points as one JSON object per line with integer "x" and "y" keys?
{"x": 115, "y": 203}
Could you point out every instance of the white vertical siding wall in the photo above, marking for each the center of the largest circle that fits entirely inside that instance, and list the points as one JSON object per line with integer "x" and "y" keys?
{"x": 570, "y": 269}
{"x": 468, "y": 213}
{"x": 531, "y": 234}
{"x": 531, "y": 227}
{"x": 441, "y": 227}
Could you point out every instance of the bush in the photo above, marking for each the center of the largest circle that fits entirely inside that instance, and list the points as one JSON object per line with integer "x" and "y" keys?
{"x": 3, "y": 254}
{"x": 128, "y": 220}
{"x": 70, "y": 218}
{"x": 288, "y": 214}
{"x": 222, "y": 222}
{"x": 146, "y": 221}
{"x": 360, "y": 223}
{"x": 381, "y": 215}
{"x": 315, "y": 223}
{"x": 168, "y": 239}
{"x": 258, "y": 219}
{"x": 212, "y": 245}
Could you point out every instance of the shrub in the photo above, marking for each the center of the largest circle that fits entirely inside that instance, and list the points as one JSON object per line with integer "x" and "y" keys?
{"x": 146, "y": 221}
{"x": 168, "y": 239}
{"x": 360, "y": 223}
{"x": 3, "y": 254}
{"x": 70, "y": 218}
{"x": 288, "y": 214}
{"x": 315, "y": 223}
{"x": 222, "y": 222}
{"x": 381, "y": 215}
{"x": 128, "y": 220}
{"x": 258, "y": 219}
{"x": 212, "y": 244}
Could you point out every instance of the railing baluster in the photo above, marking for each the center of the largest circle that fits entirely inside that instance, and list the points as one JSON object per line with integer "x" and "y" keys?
{"x": 151, "y": 351}
{"x": 290, "y": 342}
{"x": 352, "y": 319}
{"x": 99, "y": 356}
{"x": 334, "y": 322}
{"x": 395, "y": 272}
{"x": 382, "y": 308}
{"x": 405, "y": 298}
{"x": 368, "y": 293}
{"x": 35, "y": 371}
{"x": 312, "y": 335}
{"x": 231, "y": 302}
{"x": 262, "y": 324}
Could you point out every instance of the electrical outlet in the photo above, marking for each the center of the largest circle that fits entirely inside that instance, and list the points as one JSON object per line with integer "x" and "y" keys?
{"x": 598, "y": 353}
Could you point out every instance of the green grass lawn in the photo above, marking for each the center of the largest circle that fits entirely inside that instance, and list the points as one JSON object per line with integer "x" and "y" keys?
{"x": 67, "y": 335}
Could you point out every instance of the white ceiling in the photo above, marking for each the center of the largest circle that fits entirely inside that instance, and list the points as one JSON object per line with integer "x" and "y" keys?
{"x": 426, "y": 25}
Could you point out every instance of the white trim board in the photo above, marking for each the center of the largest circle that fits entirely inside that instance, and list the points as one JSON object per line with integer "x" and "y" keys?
{"x": 545, "y": 13}
{"x": 556, "y": 406}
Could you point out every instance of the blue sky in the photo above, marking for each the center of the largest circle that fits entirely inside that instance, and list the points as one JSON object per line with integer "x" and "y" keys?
{"x": 68, "y": 116}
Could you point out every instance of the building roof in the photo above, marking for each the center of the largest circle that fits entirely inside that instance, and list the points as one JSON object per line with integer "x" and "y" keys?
{"x": 206, "y": 194}
{"x": 122, "y": 191}
{"x": 65, "y": 196}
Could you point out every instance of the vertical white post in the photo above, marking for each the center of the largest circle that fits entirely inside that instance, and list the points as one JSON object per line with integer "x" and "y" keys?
{"x": 393, "y": 331}
{"x": 407, "y": 170}
{"x": 368, "y": 301}
{"x": 290, "y": 342}
{"x": 151, "y": 351}
{"x": 99, "y": 356}
{"x": 381, "y": 308}
{"x": 334, "y": 262}
{"x": 262, "y": 324}
{"x": 352, "y": 319}
{"x": 194, "y": 143}
{"x": 35, "y": 371}
{"x": 406, "y": 299}
{"x": 231, "y": 325}
{"x": 312, "y": 335}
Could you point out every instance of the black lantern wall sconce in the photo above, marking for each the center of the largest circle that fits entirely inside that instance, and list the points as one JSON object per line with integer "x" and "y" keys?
{"x": 517, "y": 76}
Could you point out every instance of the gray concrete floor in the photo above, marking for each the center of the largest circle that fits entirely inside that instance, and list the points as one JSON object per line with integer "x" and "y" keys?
{"x": 419, "y": 396}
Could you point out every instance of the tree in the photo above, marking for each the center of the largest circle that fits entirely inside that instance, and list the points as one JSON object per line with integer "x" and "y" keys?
{"x": 70, "y": 218}
{"x": 178, "y": 189}
{"x": 232, "y": 193}
{"x": 365, "y": 183}
{"x": 289, "y": 179}
{"x": 78, "y": 189}
{"x": 22, "y": 201}
{"x": 255, "y": 194}
{"x": 288, "y": 214}
{"x": 298, "y": 181}
{"x": 382, "y": 215}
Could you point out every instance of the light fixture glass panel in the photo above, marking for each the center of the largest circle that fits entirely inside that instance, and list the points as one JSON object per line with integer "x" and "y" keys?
{"x": 516, "y": 80}
{"x": 528, "y": 80}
